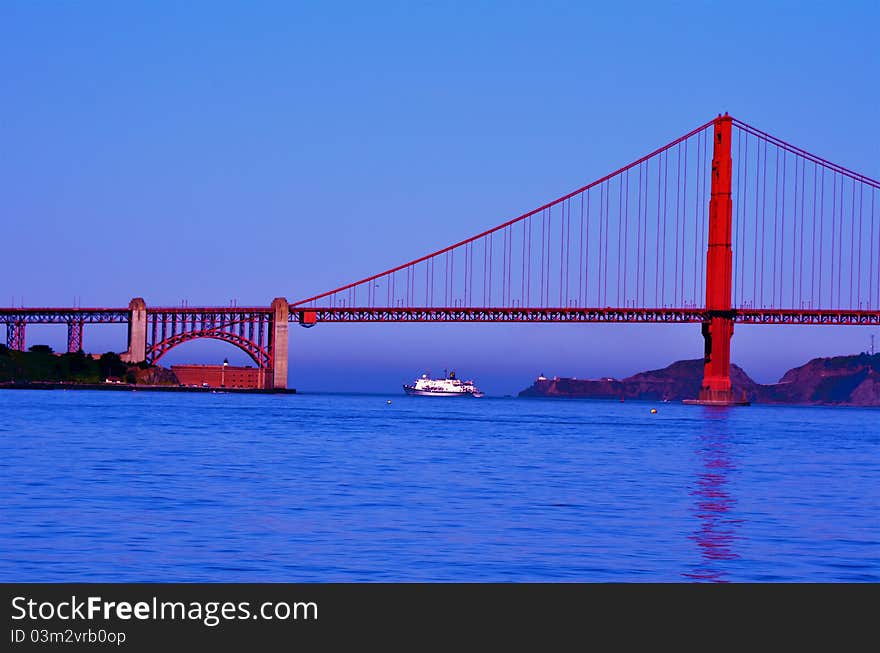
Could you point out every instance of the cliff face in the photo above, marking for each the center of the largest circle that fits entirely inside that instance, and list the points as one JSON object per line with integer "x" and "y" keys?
{"x": 681, "y": 380}
{"x": 844, "y": 380}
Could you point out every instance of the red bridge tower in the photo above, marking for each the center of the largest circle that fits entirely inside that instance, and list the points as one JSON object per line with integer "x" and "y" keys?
{"x": 718, "y": 331}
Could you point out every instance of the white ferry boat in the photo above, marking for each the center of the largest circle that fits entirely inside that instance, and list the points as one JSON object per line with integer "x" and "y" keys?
{"x": 448, "y": 386}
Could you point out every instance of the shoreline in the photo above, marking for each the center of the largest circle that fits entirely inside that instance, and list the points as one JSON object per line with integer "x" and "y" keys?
{"x": 685, "y": 402}
{"x": 132, "y": 387}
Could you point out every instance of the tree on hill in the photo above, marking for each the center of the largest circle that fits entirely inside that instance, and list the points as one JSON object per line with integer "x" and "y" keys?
{"x": 111, "y": 365}
{"x": 79, "y": 363}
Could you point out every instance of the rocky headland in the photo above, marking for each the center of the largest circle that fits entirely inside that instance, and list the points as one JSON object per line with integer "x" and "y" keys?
{"x": 841, "y": 380}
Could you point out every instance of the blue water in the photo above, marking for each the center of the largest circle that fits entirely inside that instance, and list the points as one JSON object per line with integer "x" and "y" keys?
{"x": 145, "y": 486}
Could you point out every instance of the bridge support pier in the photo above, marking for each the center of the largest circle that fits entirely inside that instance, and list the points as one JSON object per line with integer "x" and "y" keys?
{"x": 74, "y": 336}
{"x": 278, "y": 346}
{"x": 137, "y": 331}
{"x": 716, "y": 388}
{"x": 15, "y": 335}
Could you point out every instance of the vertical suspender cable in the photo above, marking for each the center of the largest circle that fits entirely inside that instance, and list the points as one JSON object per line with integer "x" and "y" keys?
{"x": 833, "y": 233}
{"x": 625, "y": 236}
{"x": 782, "y": 229}
{"x": 619, "y": 234}
{"x": 871, "y": 255}
{"x": 522, "y": 291}
{"x": 581, "y": 258}
{"x": 549, "y": 254}
{"x": 840, "y": 248}
{"x": 775, "y": 228}
{"x": 663, "y": 249}
{"x": 794, "y": 232}
{"x": 744, "y": 202}
{"x": 684, "y": 225}
{"x": 821, "y": 234}
{"x": 677, "y": 221}
{"x": 529, "y": 268}
{"x": 489, "y": 281}
{"x": 608, "y": 236}
{"x": 543, "y": 228}
{"x": 655, "y": 230}
{"x": 698, "y": 237}
{"x": 859, "y": 262}
{"x": 639, "y": 238}
{"x": 803, "y": 227}
{"x": 763, "y": 220}
{"x": 813, "y": 301}
{"x": 756, "y": 231}
{"x": 600, "y": 244}
{"x": 568, "y": 256}
{"x": 587, "y": 257}
{"x": 561, "y": 252}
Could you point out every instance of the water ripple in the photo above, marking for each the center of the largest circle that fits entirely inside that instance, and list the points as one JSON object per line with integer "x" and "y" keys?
{"x": 191, "y": 487}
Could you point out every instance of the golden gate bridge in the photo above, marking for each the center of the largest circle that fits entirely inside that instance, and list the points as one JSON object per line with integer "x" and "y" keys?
{"x": 726, "y": 224}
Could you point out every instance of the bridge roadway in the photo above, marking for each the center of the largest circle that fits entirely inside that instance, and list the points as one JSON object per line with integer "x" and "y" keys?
{"x": 309, "y": 316}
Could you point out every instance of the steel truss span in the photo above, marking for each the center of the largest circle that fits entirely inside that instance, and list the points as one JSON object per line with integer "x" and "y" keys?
{"x": 246, "y": 328}
{"x": 310, "y": 317}
{"x": 121, "y": 315}
{"x": 64, "y": 315}
{"x": 257, "y": 353}
{"x": 825, "y": 317}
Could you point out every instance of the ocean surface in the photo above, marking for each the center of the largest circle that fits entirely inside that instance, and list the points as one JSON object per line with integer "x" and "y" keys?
{"x": 148, "y": 486}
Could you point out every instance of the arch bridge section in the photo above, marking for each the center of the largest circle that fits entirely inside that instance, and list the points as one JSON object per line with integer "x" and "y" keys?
{"x": 260, "y": 332}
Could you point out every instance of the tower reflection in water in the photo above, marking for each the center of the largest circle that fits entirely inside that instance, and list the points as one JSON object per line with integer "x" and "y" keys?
{"x": 716, "y": 534}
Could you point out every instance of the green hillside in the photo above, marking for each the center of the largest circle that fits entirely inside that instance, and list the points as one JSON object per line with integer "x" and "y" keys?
{"x": 40, "y": 363}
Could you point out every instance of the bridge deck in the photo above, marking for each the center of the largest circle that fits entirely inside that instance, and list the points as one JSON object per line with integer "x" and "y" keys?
{"x": 309, "y": 316}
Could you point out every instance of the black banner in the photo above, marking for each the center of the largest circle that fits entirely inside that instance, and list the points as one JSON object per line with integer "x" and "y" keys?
{"x": 287, "y": 616}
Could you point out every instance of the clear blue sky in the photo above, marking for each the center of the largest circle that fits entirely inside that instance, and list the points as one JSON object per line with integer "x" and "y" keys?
{"x": 212, "y": 151}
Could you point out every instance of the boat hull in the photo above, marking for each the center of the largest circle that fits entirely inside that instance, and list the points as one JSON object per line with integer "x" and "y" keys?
{"x": 413, "y": 392}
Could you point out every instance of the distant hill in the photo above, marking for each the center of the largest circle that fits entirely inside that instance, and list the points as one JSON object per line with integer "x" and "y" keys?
{"x": 842, "y": 380}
